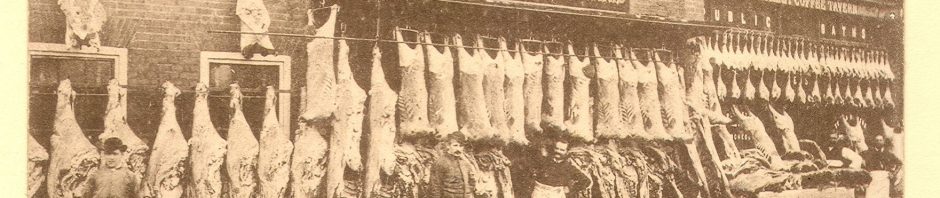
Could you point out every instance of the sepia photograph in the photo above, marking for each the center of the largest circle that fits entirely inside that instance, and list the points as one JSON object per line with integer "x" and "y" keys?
{"x": 465, "y": 99}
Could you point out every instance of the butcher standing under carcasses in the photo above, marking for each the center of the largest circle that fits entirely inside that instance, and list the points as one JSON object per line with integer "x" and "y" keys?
{"x": 452, "y": 173}
{"x": 838, "y": 154}
{"x": 882, "y": 166}
{"x": 555, "y": 176}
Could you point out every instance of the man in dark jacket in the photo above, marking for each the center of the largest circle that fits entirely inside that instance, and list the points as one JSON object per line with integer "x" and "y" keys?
{"x": 452, "y": 173}
{"x": 556, "y": 177}
{"x": 113, "y": 179}
{"x": 882, "y": 166}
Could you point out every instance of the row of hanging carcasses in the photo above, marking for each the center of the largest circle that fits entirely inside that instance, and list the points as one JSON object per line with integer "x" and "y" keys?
{"x": 796, "y": 71}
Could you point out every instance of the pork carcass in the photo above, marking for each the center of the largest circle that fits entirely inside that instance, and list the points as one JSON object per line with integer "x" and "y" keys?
{"x": 275, "y": 150}
{"x": 578, "y": 108}
{"x": 788, "y": 93}
{"x": 762, "y": 92}
{"x": 847, "y": 97}
{"x": 532, "y": 63}
{"x": 514, "y": 92}
{"x": 494, "y": 93}
{"x": 728, "y": 145}
{"x": 869, "y": 99}
{"x": 167, "y": 166}
{"x": 857, "y": 98}
{"x": 353, "y": 100}
{"x": 241, "y": 159}
{"x": 775, "y": 90}
{"x": 877, "y": 96}
{"x": 381, "y": 155}
{"x": 853, "y": 127}
{"x": 721, "y": 89}
{"x": 800, "y": 91}
{"x": 837, "y": 98}
{"x": 895, "y": 139}
{"x": 828, "y": 96}
{"x": 553, "y": 114}
{"x": 753, "y": 127}
{"x": 675, "y": 112}
{"x": 607, "y": 101}
{"x": 413, "y": 95}
{"x": 814, "y": 94}
{"x": 783, "y": 124}
{"x": 629, "y": 98}
{"x": 887, "y": 99}
{"x": 74, "y": 158}
{"x": 36, "y": 161}
{"x": 115, "y": 125}
{"x": 206, "y": 150}
{"x": 308, "y": 162}
{"x": 650, "y": 108}
{"x": 472, "y": 116}
{"x": 442, "y": 103}
{"x": 321, "y": 76}
{"x": 734, "y": 91}
{"x": 749, "y": 91}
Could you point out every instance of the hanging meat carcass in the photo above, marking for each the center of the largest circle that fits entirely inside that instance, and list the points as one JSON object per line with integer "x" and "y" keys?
{"x": 241, "y": 159}
{"x": 734, "y": 91}
{"x": 629, "y": 98}
{"x": 783, "y": 124}
{"x": 675, "y": 113}
{"x": 721, "y": 89}
{"x": 413, "y": 95}
{"x": 869, "y": 99}
{"x": 854, "y": 131}
{"x": 442, "y": 103}
{"x": 353, "y": 99}
{"x": 206, "y": 150}
{"x": 800, "y": 91}
{"x": 895, "y": 139}
{"x": 814, "y": 94}
{"x": 788, "y": 93}
{"x": 115, "y": 125}
{"x": 749, "y": 91}
{"x": 532, "y": 63}
{"x": 578, "y": 117}
{"x": 321, "y": 76}
{"x": 709, "y": 68}
{"x": 857, "y": 98}
{"x": 829, "y": 97}
{"x": 494, "y": 93}
{"x": 762, "y": 92}
{"x": 775, "y": 90}
{"x": 167, "y": 166}
{"x": 753, "y": 127}
{"x": 877, "y": 96}
{"x": 515, "y": 99}
{"x": 472, "y": 116}
{"x": 607, "y": 101}
{"x": 888, "y": 100}
{"x": 274, "y": 151}
{"x": 74, "y": 158}
{"x": 36, "y": 161}
{"x": 553, "y": 114}
{"x": 650, "y": 108}
{"x": 838, "y": 99}
{"x": 847, "y": 97}
{"x": 381, "y": 157}
{"x": 344, "y": 139}
{"x": 308, "y": 162}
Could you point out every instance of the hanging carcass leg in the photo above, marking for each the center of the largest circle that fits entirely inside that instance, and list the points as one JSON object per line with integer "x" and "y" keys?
{"x": 514, "y": 92}
{"x": 74, "y": 158}
{"x": 783, "y": 124}
{"x": 275, "y": 151}
{"x": 347, "y": 123}
{"x": 675, "y": 111}
{"x": 321, "y": 76}
{"x": 751, "y": 125}
{"x": 472, "y": 115}
{"x": 650, "y": 108}
{"x": 607, "y": 101}
{"x": 532, "y": 64}
{"x": 116, "y": 126}
{"x": 167, "y": 166}
{"x": 553, "y": 114}
{"x": 413, "y": 96}
{"x": 493, "y": 90}
{"x": 578, "y": 108}
{"x": 442, "y": 112}
{"x": 380, "y": 159}
{"x": 631, "y": 117}
{"x": 308, "y": 162}
{"x": 241, "y": 159}
{"x": 206, "y": 150}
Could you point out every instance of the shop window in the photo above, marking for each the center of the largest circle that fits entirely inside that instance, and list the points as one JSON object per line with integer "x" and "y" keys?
{"x": 89, "y": 71}
{"x": 221, "y": 69}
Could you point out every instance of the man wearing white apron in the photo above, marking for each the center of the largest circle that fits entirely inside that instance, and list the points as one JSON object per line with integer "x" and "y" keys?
{"x": 882, "y": 165}
{"x": 555, "y": 176}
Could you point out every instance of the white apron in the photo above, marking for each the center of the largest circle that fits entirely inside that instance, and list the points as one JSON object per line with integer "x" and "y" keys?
{"x": 545, "y": 191}
{"x": 879, "y": 186}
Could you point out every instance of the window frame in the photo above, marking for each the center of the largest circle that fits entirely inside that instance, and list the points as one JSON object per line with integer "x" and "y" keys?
{"x": 207, "y": 58}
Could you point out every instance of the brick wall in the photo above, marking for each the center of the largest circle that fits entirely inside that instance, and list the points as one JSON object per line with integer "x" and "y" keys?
{"x": 164, "y": 38}
{"x": 692, "y": 10}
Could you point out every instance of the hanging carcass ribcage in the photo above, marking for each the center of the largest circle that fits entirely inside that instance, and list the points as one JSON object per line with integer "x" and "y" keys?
{"x": 36, "y": 160}
{"x": 629, "y": 97}
{"x": 206, "y": 150}
{"x": 494, "y": 93}
{"x": 553, "y": 114}
{"x": 116, "y": 126}
{"x": 650, "y": 107}
{"x": 321, "y": 76}
{"x": 74, "y": 158}
{"x": 352, "y": 99}
{"x": 167, "y": 165}
{"x": 442, "y": 103}
{"x": 472, "y": 116}
{"x": 675, "y": 112}
{"x": 275, "y": 150}
{"x": 532, "y": 63}
{"x": 607, "y": 101}
{"x": 381, "y": 158}
{"x": 413, "y": 95}
{"x": 514, "y": 92}
{"x": 578, "y": 117}
{"x": 241, "y": 158}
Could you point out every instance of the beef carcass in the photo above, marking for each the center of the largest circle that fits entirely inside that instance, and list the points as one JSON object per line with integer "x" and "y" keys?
{"x": 553, "y": 114}
{"x": 381, "y": 155}
{"x": 275, "y": 150}
{"x": 442, "y": 103}
{"x": 206, "y": 150}
{"x": 321, "y": 76}
{"x": 494, "y": 93}
{"x": 115, "y": 125}
{"x": 36, "y": 161}
{"x": 854, "y": 131}
{"x": 675, "y": 112}
{"x": 74, "y": 158}
{"x": 607, "y": 101}
{"x": 167, "y": 166}
{"x": 650, "y": 108}
{"x": 762, "y": 92}
{"x": 241, "y": 158}
{"x": 578, "y": 117}
{"x": 353, "y": 100}
{"x": 629, "y": 98}
{"x": 472, "y": 116}
{"x": 308, "y": 162}
{"x": 514, "y": 92}
{"x": 532, "y": 63}
{"x": 749, "y": 91}
{"x": 413, "y": 95}
{"x": 751, "y": 125}
{"x": 783, "y": 124}
{"x": 734, "y": 91}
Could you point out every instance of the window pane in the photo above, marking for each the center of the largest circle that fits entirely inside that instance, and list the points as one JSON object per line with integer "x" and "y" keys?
{"x": 252, "y": 79}
{"x": 88, "y": 76}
